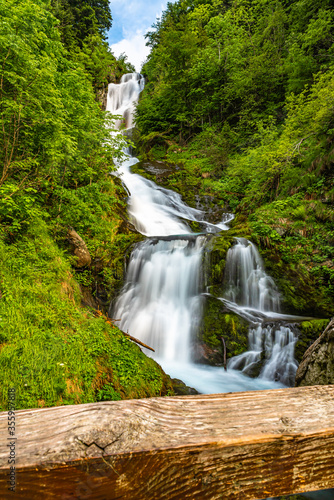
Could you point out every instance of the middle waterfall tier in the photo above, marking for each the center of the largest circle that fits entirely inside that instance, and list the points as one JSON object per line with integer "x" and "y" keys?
{"x": 160, "y": 302}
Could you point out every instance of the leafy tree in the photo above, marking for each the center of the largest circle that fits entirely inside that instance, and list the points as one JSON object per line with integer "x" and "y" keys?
{"x": 52, "y": 127}
{"x": 79, "y": 20}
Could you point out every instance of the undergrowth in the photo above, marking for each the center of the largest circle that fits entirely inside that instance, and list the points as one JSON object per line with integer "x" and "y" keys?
{"x": 52, "y": 350}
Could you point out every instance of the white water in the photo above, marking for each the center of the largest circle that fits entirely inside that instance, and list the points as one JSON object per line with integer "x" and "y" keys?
{"x": 160, "y": 303}
{"x": 122, "y": 98}
{"x": 276, "y": 343}
{"x": 247, "y": 284}
{"x": 252, "y": 294}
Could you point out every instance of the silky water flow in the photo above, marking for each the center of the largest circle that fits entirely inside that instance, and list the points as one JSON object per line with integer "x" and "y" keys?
{"x": 161, "y": 301}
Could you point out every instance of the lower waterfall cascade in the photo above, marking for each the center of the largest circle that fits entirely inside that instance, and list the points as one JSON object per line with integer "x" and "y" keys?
{"x": 161, "y": 301}
{"x": 250, "y": 289}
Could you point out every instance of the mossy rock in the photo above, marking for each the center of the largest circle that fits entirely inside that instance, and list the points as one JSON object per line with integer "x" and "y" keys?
{"x": 299, "y": 294}
{"x": 309, "y": 332}
{"x": 240, "y": 227}
{"x": 181, "y": 389}
{"x": 215, "y": 259}
{"x": 219, "y": 323}
{"x": 139, "y": 169}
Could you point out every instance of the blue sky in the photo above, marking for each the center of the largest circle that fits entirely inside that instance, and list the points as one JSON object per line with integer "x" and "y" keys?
{"x": 131, "y": 20}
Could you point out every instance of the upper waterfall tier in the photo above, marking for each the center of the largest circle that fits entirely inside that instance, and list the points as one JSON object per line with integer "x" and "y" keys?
{"x": 246, "y": 281}
{"x": 122, "y": 98}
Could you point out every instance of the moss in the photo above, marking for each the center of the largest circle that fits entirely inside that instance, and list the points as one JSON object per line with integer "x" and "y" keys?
{"x": 309, "y": 332}
{"x": 300, "y": 295}
{"x": 240, "y": 227}
{"x": 215, "y": 257}
{"x": 53, "y": 350}
{"x": 218, "y": 324}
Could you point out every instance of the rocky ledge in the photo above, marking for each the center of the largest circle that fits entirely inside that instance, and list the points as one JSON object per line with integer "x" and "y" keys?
{"x": 317, "y": 365}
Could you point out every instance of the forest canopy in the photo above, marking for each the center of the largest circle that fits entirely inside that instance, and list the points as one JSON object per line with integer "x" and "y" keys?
{"x": 239, "y": 94}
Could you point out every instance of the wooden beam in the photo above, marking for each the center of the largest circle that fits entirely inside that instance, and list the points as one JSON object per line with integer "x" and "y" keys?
{"x": 236, "y": 446}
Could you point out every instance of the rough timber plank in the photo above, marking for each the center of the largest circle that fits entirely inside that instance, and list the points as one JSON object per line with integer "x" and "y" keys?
{"x": 238, "y": 446}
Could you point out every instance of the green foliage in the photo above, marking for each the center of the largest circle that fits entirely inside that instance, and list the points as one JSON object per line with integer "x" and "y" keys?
{"x": 52, "y": 350}
{"x": 108, "y": 393}
{"x": 247, "y": 113}
{"x": 51, "y": 124}
{"x": 95, "y": 212}
{"x": 56, "y": 154}
{"x": 80, "y": 20}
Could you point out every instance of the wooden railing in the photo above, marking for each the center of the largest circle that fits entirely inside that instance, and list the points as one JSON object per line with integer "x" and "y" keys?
{"x": 238, "y": 446}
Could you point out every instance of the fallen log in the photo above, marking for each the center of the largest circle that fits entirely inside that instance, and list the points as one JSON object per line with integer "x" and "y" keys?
{"x": 139, "y": 342}
{"x": 111, "y": 321}
{"x": 239, "y": 446}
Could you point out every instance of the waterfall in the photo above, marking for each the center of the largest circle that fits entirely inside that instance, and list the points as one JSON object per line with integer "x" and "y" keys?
{"x": 122, "y": 98}
{"x": 275, "y": 343}
{"x": 153, "y": 210}
{"x": 247, "y": 284}
{"x": 161, "y": 302}
{"x": 249, "y": 288}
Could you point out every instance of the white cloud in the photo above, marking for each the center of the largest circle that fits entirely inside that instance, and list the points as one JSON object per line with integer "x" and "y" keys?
{"x": 131, "y": 20}
{"x": 134, "y": 47}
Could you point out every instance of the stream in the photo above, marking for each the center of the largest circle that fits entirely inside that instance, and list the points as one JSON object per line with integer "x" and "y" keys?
{"x": 161, "y": 302}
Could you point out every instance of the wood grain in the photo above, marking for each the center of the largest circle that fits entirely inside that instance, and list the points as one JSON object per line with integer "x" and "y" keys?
{"x": 238, "y": 446}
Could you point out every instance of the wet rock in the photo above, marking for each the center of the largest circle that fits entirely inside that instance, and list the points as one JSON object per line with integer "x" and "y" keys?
{"x": 218, "y": 322}
{"x": 181, "y": 389}
{"x": 317, "y": 366}
{"x": 309, "y": 332}
{"x": 79, "y": 248}
{"x": 207, "y": 355}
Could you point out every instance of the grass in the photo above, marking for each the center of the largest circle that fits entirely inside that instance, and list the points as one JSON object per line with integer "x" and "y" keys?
{"x": 52, "y": 350}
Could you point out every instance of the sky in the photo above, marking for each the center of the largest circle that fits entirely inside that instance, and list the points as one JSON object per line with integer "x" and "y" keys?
{"x": 131, "y": 20}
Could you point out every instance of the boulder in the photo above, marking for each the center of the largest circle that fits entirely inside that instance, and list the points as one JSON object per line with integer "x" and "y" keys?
{"x": 317, "y": 365}
{"x": 79, "y": 248}
{"x": 181, "y": 389}
{"x": 218, "y": 322}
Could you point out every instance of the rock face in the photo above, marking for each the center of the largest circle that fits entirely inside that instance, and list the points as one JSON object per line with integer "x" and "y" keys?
{"x": 79, "y": 248}
{"x": 317, "y": 365}
{"x": 181, "y": 389}
{"x": 102, "y": 97}
{"x": 219, "y": 322}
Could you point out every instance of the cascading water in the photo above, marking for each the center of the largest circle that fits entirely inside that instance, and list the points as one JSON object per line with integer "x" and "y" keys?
{"x": 276, "y": 344}
{"x": 161, "y": 300}
{"x": 122, "y": 98}
{"x": 160, "y": 303}
{"x": 247, "y": 285}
